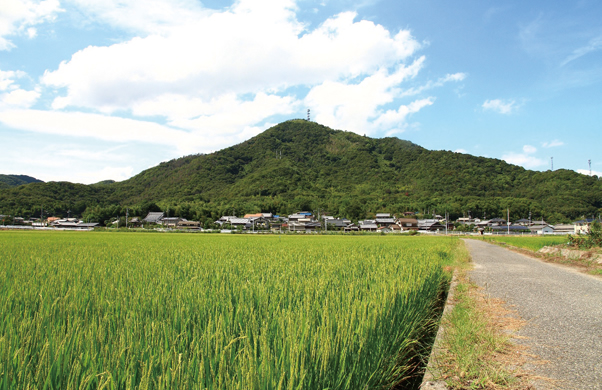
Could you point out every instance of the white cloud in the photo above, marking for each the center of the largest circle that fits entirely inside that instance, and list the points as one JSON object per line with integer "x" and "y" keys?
{"x": 18, "y": 98}
{"x": 586, "y": 172}
{"x": 500, "y": 106}
{"x": 524, "y": 159}
{"x": 7, "y": 79}
{"x": 18, "y": 17}
{"x": 529, "y": 149}
{"x": 552, "y": 144}
{"x": 463, "y": 151}
{"x": 242, "y": 50}
{"x": 78, "y": 124}
{"x": 433, "y": 84}
{"x": 356, "y": 107}
{"x": 593, "y": 45}
{"x": 222, "y": 74}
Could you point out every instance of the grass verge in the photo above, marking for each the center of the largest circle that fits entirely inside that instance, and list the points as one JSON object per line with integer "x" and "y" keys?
{"x": 475, "y": 350}
{"x": 585, "y": 261}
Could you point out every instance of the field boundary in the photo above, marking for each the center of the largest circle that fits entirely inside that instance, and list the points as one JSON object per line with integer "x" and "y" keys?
{"x": 430, "y": 380}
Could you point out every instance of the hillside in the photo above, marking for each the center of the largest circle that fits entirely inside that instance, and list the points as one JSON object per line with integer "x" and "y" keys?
{"x": 9, "y": 181}
{"x": 302, "y": 165}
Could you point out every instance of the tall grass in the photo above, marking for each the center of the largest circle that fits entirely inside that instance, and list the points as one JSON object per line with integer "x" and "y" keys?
{"x": 528, "y": 242}
{"x": 125, "y": 311}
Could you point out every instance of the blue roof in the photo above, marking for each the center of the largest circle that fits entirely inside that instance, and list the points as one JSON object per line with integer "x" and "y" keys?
{"x": 304, "y": 213}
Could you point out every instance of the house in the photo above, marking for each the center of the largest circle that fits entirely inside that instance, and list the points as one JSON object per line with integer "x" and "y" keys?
{"x": 337, "y": 223}
{"x": 540, "y": 229}
{"x": 389, "y": 229}
{"x": 352, "y": 228}
{"x": 409, "y": 213}
{"x": 50, "y": 220}
{"x": 384, "y": 221}
{"x": 89, "y": 226}
{"x": 172, "y": 222}
{"x": 383, "y": 215}
{"x": 582, "y": 226}
{"x": 523, "y": 222}
{"x": 368, "y": 227}
{"x": 134, "y": 222}
{"x": 304, "y": 226}
{"x": 239, "y": 222}
{"x": 564, "y": 229}
{"x": 408, "y": 223}
{"x": 189, "y": 225}
{"x": 298, "y": 216}
{"x": 497, "y": 222}
{"x": 154, "y": 217}
{"x": 430, "y": 225}
{"x": 512, "y": 229}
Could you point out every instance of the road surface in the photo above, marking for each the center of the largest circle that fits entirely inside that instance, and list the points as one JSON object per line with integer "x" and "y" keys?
{"x": 562, "y": 307}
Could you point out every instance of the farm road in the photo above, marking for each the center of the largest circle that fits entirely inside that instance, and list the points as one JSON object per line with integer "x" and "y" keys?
{"x": 563, "y": 310}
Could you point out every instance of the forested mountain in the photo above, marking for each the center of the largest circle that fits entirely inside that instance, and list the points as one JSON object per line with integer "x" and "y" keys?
{"x": 301, "y": 165}
{"x": 9, "y": 181}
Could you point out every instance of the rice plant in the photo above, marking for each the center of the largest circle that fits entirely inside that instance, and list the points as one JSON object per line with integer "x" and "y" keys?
{"x": 140, "y": 311}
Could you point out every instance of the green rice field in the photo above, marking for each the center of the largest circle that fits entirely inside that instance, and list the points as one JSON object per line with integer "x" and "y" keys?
{"x": 528, "y": 242}
{"x": 87, "y": 310}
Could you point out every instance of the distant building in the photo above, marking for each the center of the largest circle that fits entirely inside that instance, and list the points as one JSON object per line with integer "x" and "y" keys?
{"x": 154, "y": 217}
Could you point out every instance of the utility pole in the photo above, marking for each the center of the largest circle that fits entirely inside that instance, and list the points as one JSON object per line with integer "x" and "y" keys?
{"x": 508, "y": 221}
{"x": 127, "y": 212}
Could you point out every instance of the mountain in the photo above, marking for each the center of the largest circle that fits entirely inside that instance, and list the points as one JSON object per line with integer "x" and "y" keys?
{"x": 9, "y": 181}
{"x": 301, "y": 165}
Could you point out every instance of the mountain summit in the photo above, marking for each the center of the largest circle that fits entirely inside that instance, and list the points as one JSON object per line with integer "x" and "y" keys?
{"x": 302, "y": 165}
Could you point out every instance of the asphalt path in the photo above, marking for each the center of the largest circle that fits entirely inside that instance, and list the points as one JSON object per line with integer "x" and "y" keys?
{"x": 562, "y": 307}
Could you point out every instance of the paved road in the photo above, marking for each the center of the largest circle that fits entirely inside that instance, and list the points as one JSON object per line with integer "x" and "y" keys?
{"x": 563, "y": 310}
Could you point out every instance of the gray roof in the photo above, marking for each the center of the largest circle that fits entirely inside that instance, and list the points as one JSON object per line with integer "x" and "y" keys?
{"x": 383, "y": 215}
{"x": 369, "y": 226}
{"x": 239, "y": 221}
{"x": 385, "y": 220}
{"x": 154, "y": 217}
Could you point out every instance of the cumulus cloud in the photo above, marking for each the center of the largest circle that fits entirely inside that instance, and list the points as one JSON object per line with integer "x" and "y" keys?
{"x": 500, "y": 106}
{"x": 8, "y": 77}
{"x": 586, "y": 172}
{"x": 525, "y": 159}
{"x": 18, "y": 17}
{"x": 463, "y": 151}
{"x": 228, "y": 71}
{"x": 356, "y": 107}
{"x": 141, "y": 16}
{"x": 552, "y": 144}
{"x": 11, "y": 94}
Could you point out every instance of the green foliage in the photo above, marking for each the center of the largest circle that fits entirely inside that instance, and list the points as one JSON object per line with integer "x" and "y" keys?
{"x": 527, "y": 242}
{"x": 592, "y": 239}
{"x": 301, "y": 165}
{"x": 217, "y": 311}
{"x": 9, "y": 181}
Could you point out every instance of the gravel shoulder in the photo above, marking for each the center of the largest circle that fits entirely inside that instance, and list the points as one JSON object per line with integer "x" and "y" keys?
{"x": 562, "y": 307}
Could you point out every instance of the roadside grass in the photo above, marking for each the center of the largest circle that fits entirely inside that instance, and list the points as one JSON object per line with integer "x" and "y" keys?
{"x": 527, "y": 242}
{"x": 475, "y": 350}
{"x": 586, "y": 261}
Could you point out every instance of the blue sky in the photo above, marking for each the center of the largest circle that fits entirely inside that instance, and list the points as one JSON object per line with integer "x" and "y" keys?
{"x": 103, "y": 89}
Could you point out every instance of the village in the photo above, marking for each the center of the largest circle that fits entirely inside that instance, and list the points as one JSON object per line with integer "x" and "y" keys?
{"x": 308, "y": 222}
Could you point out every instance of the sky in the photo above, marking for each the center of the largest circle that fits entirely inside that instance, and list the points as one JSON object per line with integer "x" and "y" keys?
{"x": 93, "y": 90}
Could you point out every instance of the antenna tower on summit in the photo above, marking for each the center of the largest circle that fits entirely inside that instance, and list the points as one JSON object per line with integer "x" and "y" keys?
{"x": 590, "y": 166}
{"x": 308, "y": 117}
